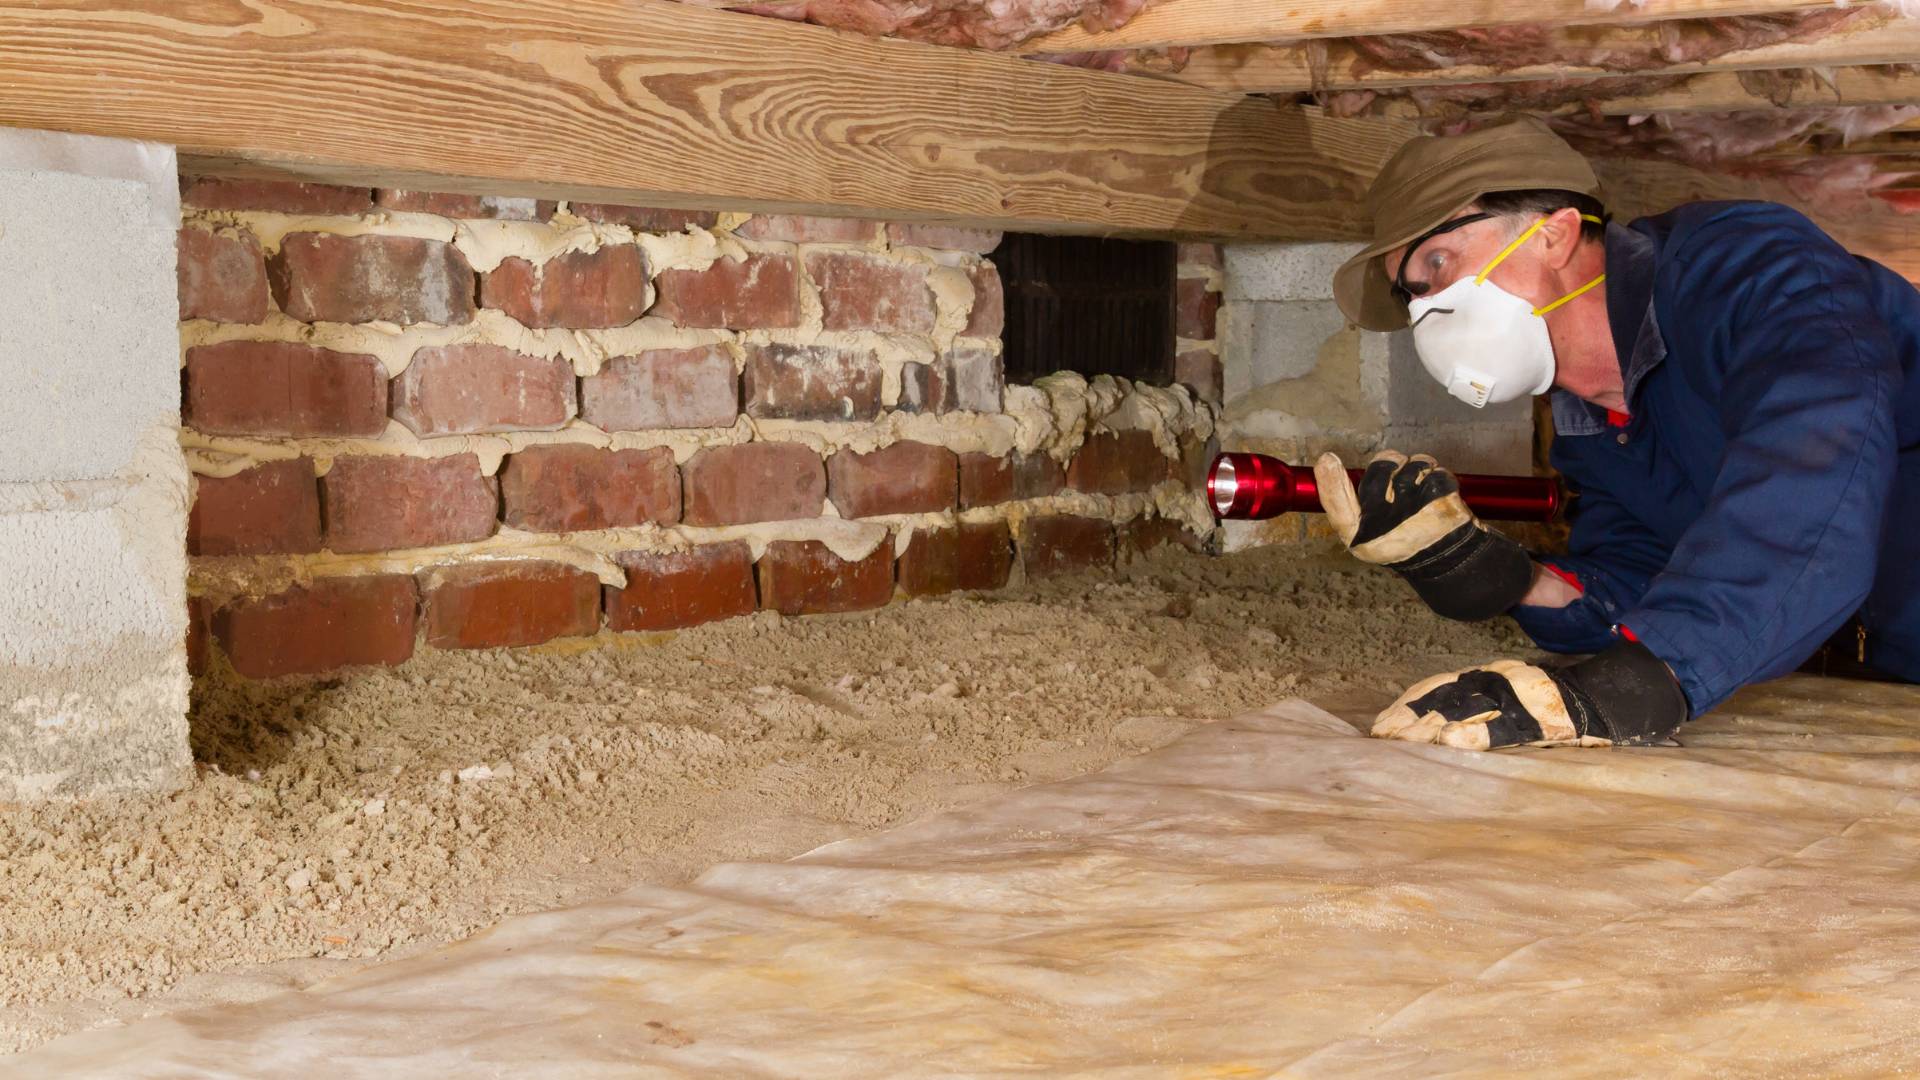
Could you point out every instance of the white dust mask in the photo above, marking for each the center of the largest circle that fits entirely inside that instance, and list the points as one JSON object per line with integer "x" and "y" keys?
{"x": 1483, "y": 343}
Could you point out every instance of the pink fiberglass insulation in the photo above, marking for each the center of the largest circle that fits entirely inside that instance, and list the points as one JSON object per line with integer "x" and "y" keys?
{"x": 1460, "y": 100}
{"x": 1904, "y": 200}
{"x": 1130, "y": 61}
{"x": 1908, "y": 8}
{"x": 1672, "y": 41}
{"x": 1733, "y": 142}
{"x": 1720, "y": 139}
{"x": 1832, "y": 183}
{"x": 985, "y": 24}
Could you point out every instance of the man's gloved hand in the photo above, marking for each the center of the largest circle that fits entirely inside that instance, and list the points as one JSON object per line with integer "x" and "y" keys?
{"x": 1408, "y": 516}
{"x": 1623, "y": 696}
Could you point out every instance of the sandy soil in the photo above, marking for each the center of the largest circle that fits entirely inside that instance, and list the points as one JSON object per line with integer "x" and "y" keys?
{"x": 342, "y": 821}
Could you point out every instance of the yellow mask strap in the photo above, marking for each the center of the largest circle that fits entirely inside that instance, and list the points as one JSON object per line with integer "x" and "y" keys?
{"x": 1574, "y": 295}
{"x": 1481, "y": 277}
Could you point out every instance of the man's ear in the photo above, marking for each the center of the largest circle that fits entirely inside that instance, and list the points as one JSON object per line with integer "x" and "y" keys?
{"x": 1562, "y": 236}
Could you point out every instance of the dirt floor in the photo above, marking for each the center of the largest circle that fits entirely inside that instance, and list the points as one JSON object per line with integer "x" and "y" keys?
{"x": 360, "y": 818}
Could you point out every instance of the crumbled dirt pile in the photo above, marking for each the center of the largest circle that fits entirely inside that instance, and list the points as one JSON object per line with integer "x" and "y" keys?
{"x": 362, "y": 817}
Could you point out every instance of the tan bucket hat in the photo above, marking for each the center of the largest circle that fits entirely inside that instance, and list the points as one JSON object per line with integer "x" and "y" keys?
{"x": 1433, "y": 177}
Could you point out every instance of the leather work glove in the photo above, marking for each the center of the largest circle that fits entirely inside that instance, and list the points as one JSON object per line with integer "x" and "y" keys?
{"x": 1621, "y": 697}
{"x": 1408, "y": 516}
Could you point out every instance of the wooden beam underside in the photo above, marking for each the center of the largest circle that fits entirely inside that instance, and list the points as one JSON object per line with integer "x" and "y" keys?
{"x": 657, "y": 103}
{"x": 1284, "y": 69}
{"x": 1219, "y": 22}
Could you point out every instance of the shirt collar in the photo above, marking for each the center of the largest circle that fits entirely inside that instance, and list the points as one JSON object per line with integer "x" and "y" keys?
{"x": 1636, "y": 332}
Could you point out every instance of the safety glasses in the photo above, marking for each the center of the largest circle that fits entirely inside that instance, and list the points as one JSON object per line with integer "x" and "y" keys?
{"x": 1404, "y": 292}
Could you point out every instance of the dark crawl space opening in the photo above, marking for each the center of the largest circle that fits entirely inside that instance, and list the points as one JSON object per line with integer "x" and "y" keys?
{"x": 1088, "y": 304}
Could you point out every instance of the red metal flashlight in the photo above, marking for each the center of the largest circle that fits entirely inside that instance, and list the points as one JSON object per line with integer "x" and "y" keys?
{"x": 1250, "y": 487}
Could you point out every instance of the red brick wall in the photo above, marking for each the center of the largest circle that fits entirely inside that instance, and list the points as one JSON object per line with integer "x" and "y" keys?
{"x": 448, "y": 448}
{"x": 1197, "y": 362}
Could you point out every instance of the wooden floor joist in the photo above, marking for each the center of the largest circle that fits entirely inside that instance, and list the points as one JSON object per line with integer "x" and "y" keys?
{"x": 1218, "y": 22}
{"x": 1288, "y": 69}
{"x": 667, "y": 104}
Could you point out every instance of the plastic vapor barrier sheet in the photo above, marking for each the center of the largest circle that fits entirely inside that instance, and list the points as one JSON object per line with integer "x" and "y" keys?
{"x": 1269, "y": 895}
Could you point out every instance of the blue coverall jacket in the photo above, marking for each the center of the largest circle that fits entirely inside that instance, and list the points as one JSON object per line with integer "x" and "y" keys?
{"x": 1765, "y": 483}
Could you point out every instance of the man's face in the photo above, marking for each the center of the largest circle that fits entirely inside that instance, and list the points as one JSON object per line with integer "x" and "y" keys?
{"x": 1440, "y": 260}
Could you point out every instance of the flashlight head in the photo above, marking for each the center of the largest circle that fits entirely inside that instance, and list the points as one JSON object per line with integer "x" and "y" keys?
{"x": 1243, "y": 487}
{"x": 1222, "y": 486}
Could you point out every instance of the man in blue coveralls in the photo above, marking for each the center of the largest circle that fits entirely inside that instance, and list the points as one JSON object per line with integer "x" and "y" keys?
{"x": 1732, "y": 400}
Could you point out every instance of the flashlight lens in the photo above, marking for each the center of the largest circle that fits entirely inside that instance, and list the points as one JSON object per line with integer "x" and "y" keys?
{"x": 1222, "y": 486}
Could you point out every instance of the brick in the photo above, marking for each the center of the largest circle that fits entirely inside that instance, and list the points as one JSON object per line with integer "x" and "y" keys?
{"x": 1207, "y": 255}
{"x": 811, "y": 382}
{"x": 447, "y": 204}
{"x": 1037, "y": 476}
{"x": 199, "y": 635}
{"x": 1196, "y": 460}
{"x": 663, "y": 388}
{"x": 1201, "y": 372}
{"x": 865, "y": 292}
{"x": 799, "y": 229}
{"x": 580, "y": 290}
{"x": 223, "y": 276}
{"x": 944, "y": 237}
{"x": 988, "y": 316}
{"x": 283, "y": 388}
{"x": 985, "y": 480}
{"x": 803, "y": 577}
{"x": 272, "y": 508}
{"x": 924, "y": 388}
{"x": 683, "y": 588}
{"x": 978, "y": 383}
{"x": 1196, "y": 311}
{"x": 757, "y": 292}
{"x": 739, "y": 485}
{"x": 970, "y": 557}
{"x": 1117, "y": 462}
{"x": 470, "y": 389}
{"x": 333, "y": 623}
{"x": 649, "y": 219}
{"x": 319, "y": 277}
{"x": 501, "y": 605}
{"x": 1143, "y": 534}
{"x": 285, "y": 197}
{"x": 1063, "y": 544}
{"x": 569, "y": 488}
{"x": 904, "y": 478}
{"x": 389, "y": 503}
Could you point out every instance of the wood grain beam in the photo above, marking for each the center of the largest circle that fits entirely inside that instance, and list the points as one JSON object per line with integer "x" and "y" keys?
{"x": 1218, "y": 22}
{"x": 1285, "y": 68}
{"x": 666, "y": 104}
